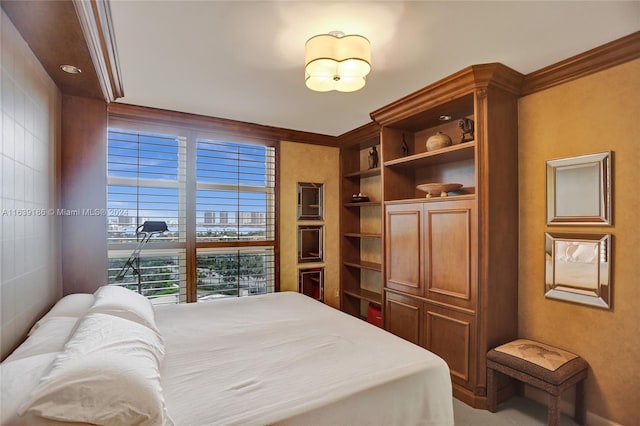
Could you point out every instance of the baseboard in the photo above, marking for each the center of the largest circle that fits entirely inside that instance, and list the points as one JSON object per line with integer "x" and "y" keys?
{"x": 465, "y": 395}
{"x": 567, "y": 407}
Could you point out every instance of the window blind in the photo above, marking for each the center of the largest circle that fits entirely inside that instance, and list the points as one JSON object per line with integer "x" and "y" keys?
{"x": 235, "y": 196}
{"x": 223, "y": 217}
{"x": 146, "y": 182}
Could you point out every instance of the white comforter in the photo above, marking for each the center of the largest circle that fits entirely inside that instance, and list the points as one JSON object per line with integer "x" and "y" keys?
{"x": 285, "y": 358}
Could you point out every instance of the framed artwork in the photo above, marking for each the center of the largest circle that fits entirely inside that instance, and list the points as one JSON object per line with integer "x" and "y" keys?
{"x": 578, "y": 268}
{"x": 579, "y": 190}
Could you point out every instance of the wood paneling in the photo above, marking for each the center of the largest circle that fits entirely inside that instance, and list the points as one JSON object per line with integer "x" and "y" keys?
{"x": 403, "y": 248}
{"x": 403, "y": 317}
{"x": 58, "y": 36}
{"x": 84, "y": 185}
{"x": 451, "y": 335}
{"x": 449, "y": 251}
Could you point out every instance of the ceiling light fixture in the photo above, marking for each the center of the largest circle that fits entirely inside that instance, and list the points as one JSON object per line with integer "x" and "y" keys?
{"x": 70, "y": 69}
{"x": 336, "y": 61}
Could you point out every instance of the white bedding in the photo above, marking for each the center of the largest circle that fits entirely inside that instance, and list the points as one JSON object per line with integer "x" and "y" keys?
{"x": 285, "y": 358}
{"x": 281, "y": 358}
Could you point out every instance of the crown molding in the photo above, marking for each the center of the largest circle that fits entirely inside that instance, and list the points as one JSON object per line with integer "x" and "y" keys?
{"x": 97, "y": 26}
{"x": 600, "y": 58}
{"x": 221, "y": 126}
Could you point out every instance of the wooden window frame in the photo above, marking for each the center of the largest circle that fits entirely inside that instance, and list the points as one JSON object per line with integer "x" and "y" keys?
{"x": 192, "y": 127}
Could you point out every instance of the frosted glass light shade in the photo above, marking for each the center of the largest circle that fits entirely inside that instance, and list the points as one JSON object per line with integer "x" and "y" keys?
{"x": 334, "y": 62}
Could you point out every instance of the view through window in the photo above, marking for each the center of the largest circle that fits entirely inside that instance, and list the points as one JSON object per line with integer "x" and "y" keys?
{"x": 223, "y": 216}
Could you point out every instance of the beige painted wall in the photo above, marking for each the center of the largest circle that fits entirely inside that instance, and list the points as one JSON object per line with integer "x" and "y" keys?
{"x": 309, "y": 163}
{"x": 29, "y": 249}
{"x": 596, "y": 113}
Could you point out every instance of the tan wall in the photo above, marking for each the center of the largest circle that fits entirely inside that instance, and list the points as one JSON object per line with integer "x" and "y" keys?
{"x": 309, "y": 163}
{"x": 596, "y": 113}
{"x": 29, "y": 270}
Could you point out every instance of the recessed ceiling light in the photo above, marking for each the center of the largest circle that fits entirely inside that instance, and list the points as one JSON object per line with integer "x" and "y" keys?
{"x": 70, "y": 69}
{"x": 445, "y": 117}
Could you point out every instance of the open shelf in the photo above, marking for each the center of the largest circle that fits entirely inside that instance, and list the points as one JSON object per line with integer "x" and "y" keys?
{"x": 432, "y": 199}
{"x": 366, "y": 295}
{"x": 363, "y": 173}
{"x": 362, "y": 235}
{"x": 364, "y": 204}
{"x": 457, "y": 152}
{"x": 365, "y": 265}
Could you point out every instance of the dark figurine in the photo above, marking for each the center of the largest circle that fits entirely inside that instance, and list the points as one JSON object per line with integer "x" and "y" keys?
{"x": 373, "y": 158}
{"x": 467, "y": 127}
{"x": 405, "y": 148}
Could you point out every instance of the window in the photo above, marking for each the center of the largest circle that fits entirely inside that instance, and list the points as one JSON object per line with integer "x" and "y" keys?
{"x": 235, "y": 191}
{"x": 146, "y": 181}
{"x": 223, "y": 216}
{"x": 235, "y": 272}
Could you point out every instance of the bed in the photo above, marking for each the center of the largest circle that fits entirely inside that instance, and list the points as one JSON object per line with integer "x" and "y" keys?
{"x": 280, "y": 358}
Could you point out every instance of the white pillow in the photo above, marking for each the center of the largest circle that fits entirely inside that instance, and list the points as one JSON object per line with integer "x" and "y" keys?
{"x": 19, "y": 377}
{"x": 108, "y": 374}
{"x": 72, "y": 305}
{"x": 124, "y": 303}
{"x": 49, "y": 337}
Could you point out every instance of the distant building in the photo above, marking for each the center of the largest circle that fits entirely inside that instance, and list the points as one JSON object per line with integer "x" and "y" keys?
{"x": 209, "y": 217}
{"x": 126, "y": 220}
{"x": 224, "y": 217}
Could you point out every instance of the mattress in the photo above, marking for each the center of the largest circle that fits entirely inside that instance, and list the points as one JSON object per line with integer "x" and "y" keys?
{"x": 280, "y": 358}
{"x": 284, "y": 358}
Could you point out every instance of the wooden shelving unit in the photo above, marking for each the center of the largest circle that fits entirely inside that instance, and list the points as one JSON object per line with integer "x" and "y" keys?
{"x": 361, "y": 223}
{"x": 446, "y": 270}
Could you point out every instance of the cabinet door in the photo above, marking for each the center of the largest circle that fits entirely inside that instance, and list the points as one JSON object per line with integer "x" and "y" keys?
{"x": 450, "y": 253}
{"x": 403, "y": 248}
{"x": 451, "y": 335}
{"x": 403, "y": 317}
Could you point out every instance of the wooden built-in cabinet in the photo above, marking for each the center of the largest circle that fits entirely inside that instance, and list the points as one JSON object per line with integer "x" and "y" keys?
{"x": 361, "y": 222}
{"x": 449, "y": 264}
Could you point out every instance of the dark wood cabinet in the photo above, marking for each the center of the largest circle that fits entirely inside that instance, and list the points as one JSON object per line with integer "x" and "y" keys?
{"x": 404, "y": 317}
{"x": 450, "y": 263}
{"x": 404, "y": 248}
{"x": 451, "y": 334}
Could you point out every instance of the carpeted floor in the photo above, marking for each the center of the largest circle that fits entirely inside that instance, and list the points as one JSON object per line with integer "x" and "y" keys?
{"x": 517, "y": 411}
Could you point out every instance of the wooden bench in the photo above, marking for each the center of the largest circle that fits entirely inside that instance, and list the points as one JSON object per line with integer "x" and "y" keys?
{"x": 547, "y": 368}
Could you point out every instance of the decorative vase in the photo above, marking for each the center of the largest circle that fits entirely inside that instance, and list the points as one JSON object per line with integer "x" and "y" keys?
{"x": 437, "y": 141}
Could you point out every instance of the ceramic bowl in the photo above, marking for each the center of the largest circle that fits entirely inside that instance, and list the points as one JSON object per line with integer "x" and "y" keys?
{"x": 438, "y": 189}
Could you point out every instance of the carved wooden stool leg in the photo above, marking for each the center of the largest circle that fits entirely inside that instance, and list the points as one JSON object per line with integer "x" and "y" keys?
{"x": 554, "y": 410}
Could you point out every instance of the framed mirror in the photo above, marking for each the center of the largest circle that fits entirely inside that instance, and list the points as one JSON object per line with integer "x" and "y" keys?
{"x": 578, "y": 268}
{"x": 311, "y": 283}
{"x": 310, "y": 244}
{"x": 310, "y": 201}
{"x": 579, "y": 190}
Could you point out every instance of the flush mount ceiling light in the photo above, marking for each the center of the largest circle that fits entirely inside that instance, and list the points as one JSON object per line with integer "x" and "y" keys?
{"x": 71, "y": 69}
{"x": 336, "y": 61}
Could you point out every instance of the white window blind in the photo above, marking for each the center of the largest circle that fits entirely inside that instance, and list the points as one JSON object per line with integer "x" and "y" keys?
{"x": 146, "y": 182}
{"x": 235, "y": 197}
{"x": 225, "y": 219}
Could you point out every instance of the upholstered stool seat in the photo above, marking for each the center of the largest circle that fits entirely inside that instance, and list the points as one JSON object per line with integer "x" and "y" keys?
{"x": 542, "y": 366}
